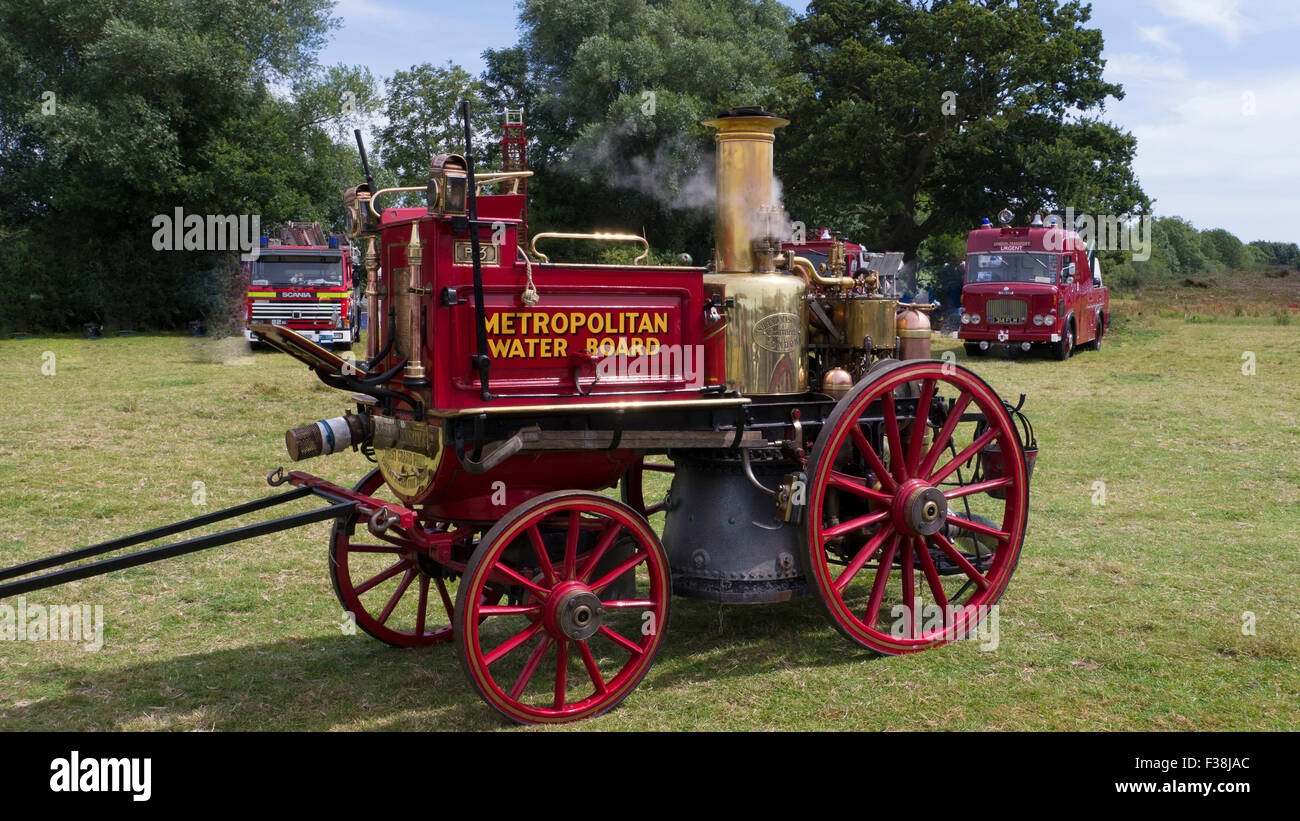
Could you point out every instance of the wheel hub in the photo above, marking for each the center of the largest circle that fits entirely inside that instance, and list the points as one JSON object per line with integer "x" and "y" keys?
{"x": 572, "y": 611}
{"x": 919, "y": 509}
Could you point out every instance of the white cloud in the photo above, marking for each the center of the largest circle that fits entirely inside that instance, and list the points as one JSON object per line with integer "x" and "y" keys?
{"x": 1157, "y": 36}
{"x": 1219, "y": 165}
{"x": 1220, "y": 15}
{"x": 1143, "y": 68}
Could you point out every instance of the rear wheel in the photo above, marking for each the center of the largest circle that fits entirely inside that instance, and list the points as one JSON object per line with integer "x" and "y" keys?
{"x": 394, "y": 592}
{"x": 906, "y": 545}
{"x": 1101, "y": 331}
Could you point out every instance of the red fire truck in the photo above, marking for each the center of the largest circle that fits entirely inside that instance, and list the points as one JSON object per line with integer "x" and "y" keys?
{"x": 306, "y": 288}
{"x": 1039, "y": 285}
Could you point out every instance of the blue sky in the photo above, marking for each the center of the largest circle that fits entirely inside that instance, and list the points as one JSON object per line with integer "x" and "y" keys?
{"x": 1212, "y": 91}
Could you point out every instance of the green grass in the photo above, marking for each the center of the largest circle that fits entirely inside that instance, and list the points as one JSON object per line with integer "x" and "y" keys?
{"x": 1122, "y": 616}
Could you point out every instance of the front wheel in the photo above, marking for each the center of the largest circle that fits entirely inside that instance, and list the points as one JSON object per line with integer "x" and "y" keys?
{"x": 906, "y": 544}
{"x": 973, "y": 349}
{"x": 1065, "y": 346}
{"x": 575, "y": 636}
{"x": 394, "y": 592}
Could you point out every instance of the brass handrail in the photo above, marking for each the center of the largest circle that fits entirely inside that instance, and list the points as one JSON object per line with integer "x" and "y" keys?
{"x": 480, "y": 180}
{"x": 597, "y": 237}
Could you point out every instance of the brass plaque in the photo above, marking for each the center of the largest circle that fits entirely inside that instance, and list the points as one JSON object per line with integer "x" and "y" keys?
{"x": 408, "y": 473}
{"x": 488, "y": 254}
{"x": 779, "y": 333}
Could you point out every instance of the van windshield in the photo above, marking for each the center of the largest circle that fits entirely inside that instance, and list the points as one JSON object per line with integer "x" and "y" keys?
{"x": 303, "y": 271}
{"x": 1015, "y": 266}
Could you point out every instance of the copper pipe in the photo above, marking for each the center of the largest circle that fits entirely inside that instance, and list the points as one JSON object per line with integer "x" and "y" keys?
{"x": 804, "y": 267}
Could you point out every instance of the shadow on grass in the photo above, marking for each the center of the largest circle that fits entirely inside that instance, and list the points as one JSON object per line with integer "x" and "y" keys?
{"x": 355, "y": 682}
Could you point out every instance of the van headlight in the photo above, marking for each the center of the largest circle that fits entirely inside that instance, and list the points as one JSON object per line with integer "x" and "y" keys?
{"x": 1038, "y": 319}
{"x": 975, "y": 319}
{"x": 965, "y": 319}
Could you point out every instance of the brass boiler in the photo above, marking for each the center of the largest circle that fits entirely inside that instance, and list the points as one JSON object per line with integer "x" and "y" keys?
{"x": 865, "y": 318}
{"x": 766, "y": 328}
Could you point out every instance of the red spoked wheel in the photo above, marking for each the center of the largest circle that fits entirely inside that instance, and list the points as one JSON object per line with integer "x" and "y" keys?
{"x": 907, "y": 546}
{"x": 576, "y": 633}
{"x": 633, "y": 486}
{"x": 395, "y": 592}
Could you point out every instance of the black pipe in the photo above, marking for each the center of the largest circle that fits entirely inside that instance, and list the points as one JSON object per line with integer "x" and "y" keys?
{"x": 481, "y": 360}
{"x": 365, "y": 166}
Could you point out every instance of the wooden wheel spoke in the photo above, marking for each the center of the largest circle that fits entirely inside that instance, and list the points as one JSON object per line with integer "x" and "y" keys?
{"x": 509, "y": 609}
{"x": 881, "y": 580}
{"x": 908, "y": 581}
{"x": 422, "y": 606}
{"x": 397, "y": 596}
{"x": 897, "y": 464}
{"x": 857, "y": 487}
{"x": 529, "y": 584}
{"x": 627, "y": 644}
{"x": 511, "y": 643}
{"x": 977, "y": 527}
{"x": 543, "y": 560}
{"x": 571, "y": 544}
{"x": 920, "y": 423}
{"x": 962, "y": 562}
{"x": 932, "y": 575}
{"x": 446, "y": 598}
{"x": 868, "y": 550}
{"x": 853, "y": 524}
{"x": 977, "y": 487}
{"x": 593, "y": 672}
{"x": 383, "y": 576}
{"x": 873, "y": 459}
{"x": 606, "y": 580}
{"x": 944, "y": 435}
{"x": 965, "y": 456}
{"x": 629, "y": 604}
{"x": 530, "y": 667}
{"x": 561, "y": 672}
{"x": 598, "y": 552}
{"x": 375, "y": 548}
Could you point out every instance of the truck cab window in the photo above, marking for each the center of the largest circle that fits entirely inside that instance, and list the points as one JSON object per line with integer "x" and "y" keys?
{"x": 1013, "y": 266}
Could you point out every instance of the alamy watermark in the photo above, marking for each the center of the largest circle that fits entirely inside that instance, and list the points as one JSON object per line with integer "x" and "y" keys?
{"x": 1105, "y": 232}
{"x": 53, "y": 622}
{"x": 179, "y": 231}
{"x": 637, "y": 359}
{"x": 978, "y": 623}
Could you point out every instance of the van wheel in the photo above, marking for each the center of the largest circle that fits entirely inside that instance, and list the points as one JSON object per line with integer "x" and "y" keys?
{"x": 1101, "y": 330}
{"x": 1062, "y": 350}
{"x": 973, "y": 349}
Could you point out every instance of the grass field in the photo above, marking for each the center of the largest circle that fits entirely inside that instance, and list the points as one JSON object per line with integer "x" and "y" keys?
{"x": 1122, "y": 615}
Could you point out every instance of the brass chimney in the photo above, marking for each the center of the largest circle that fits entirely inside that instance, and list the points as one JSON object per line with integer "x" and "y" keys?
{"x": 745, "y": 203}
{"x": 766, "y": 328}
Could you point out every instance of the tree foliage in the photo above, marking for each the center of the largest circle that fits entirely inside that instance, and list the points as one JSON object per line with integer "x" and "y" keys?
{"x": 115, "y": 111}
{"x": 614, "y": 91}
{"x": 916, "y": 118}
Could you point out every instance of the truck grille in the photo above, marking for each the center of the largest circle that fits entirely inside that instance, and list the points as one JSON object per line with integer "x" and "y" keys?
{"x": 1005, "y": 312}
{"x": 289, "y": 311}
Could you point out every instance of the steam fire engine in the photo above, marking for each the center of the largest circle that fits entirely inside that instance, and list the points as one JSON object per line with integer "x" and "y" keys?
{"x": 816, "y": 449}
{"x": 307, "y": 288}
{"x": 1039, "y": 285}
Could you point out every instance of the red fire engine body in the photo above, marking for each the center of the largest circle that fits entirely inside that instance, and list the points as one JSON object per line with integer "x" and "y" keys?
{"x": 1032, "y": 286}
{"x": 306, "y": 288}
{"x": 816, "y": 449}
